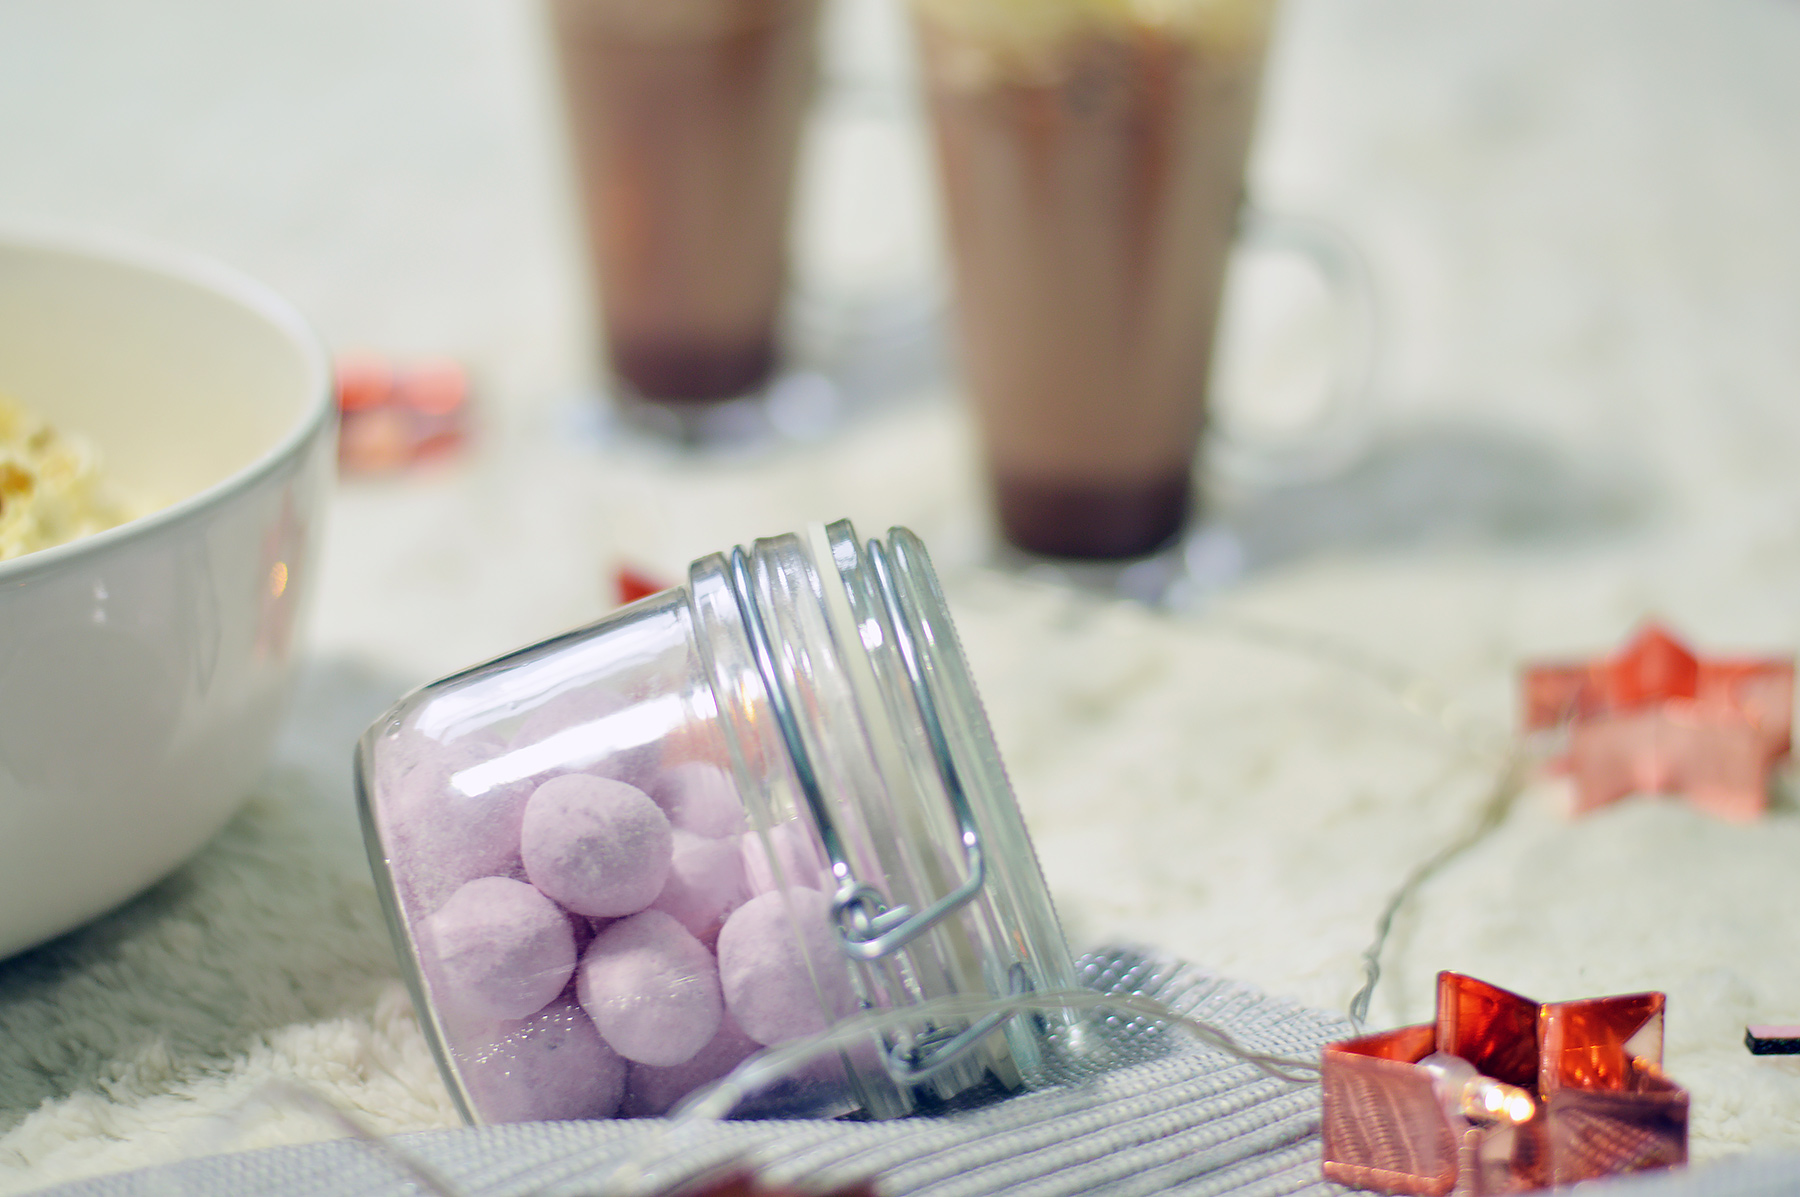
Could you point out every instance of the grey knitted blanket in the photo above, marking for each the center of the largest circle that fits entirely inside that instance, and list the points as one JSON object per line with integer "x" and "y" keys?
{"x": 1186, "y": 1118}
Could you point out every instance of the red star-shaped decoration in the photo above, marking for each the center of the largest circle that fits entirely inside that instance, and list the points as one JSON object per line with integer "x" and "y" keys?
{"x": 390, "y": 418}
{"x": 632, "y": 584}
{"x": 1593, "y": 1068}
{"x": 1658, "y": 719}
{"x": 737, "y": 1181}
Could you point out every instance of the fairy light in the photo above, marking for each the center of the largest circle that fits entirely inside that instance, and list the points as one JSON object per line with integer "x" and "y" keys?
{"x": 1488, "y": 1100}
{"x": 1476, "y": 1096}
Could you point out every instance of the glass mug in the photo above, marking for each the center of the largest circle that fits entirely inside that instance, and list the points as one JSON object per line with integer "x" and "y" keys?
{"x": 1092, "y": 161}
{"x": 685, "y": 119}
{"x": 619, "y": 862}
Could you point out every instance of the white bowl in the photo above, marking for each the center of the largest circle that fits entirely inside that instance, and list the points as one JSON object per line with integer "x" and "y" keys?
{"x": 143, "y": 670}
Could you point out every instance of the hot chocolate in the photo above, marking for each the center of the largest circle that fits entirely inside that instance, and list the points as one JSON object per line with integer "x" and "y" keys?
{"x": 685, "y": 118}
{"x": 1092, "y": 162}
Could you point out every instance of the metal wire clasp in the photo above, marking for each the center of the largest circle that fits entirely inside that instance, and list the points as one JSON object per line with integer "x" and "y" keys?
{"x": 868, "y": 927}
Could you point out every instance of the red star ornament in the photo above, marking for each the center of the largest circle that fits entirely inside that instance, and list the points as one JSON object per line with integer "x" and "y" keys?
{"x": 738, "y": 1181}
{"x": 390, "y": 418}
{"x": 1657, "y": 719}
{"x": 1593, "y": 1099}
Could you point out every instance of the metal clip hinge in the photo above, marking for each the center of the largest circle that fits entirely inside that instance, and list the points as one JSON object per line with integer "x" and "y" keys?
{"x": 868, "y": 929}
{"x": 937, "y": 1048}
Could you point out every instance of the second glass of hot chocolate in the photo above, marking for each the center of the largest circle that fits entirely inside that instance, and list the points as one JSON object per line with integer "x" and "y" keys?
{"x": 1092, "y": 156}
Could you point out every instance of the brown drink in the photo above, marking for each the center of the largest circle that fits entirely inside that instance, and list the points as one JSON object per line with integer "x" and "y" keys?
{"x": 685, "y": 117}
{"x": 1093, "y": 169}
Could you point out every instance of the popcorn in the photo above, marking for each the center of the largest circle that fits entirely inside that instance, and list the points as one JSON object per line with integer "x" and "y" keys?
{"x": 52, "y": 490}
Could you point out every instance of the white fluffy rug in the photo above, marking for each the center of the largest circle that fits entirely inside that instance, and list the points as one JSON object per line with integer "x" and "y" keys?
{"x": 1245, "y": 804}
{"x": 154, "y": 1033}
{"x": 1241, "y": 797}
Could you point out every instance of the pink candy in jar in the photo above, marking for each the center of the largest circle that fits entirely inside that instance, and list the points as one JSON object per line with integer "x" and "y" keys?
{"x": 721, "y": 819}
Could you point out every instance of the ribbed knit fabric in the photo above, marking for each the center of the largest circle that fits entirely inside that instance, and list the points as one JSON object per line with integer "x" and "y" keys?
{"x": 1182, "y": 1118}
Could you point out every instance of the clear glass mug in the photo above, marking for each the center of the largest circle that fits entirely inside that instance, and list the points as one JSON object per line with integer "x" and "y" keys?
{"x": 685, "y": 121}
{"x": 1091, "y": 158}
{"x": 618, "y": 862}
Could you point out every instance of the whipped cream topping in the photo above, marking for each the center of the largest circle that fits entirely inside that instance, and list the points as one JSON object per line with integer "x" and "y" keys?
{"x": 1027, "y": 29}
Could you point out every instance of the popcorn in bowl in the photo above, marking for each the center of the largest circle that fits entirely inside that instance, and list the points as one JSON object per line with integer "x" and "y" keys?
{"x": 52, "y": 489}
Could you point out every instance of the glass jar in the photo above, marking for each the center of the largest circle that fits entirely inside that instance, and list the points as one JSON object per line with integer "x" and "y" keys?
{"x": 618, "y": 862}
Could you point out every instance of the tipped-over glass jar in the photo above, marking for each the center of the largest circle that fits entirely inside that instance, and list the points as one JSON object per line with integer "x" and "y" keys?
{"x": 618, "y": 862}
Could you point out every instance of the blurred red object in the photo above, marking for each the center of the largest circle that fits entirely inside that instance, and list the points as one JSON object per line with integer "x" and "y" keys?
{"x": 1658, "y": 719}
{"x": 741, "y": 1182}
{"x": 392, "y": 417}
{"x": 1603, "y": 1105}
{"x": 632, "y": 584}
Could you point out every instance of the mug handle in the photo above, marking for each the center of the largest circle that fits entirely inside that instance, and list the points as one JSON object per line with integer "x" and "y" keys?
{"x": 1338, "y": 429}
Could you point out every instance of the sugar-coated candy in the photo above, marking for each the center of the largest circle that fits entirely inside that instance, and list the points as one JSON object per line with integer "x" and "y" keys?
{"x": 588, "y": 738}
{"x": 651, "y": 1090}
{"x": 446, "y": 824}
{"x": 652, "y": 989}
{"x": 399, "y": 752}
{"x": 600, "y": 847}
{"x": 784, "y": 978}
{"x": 781, "y": 856}
{"x": 585, "y": 928}
{"x": 551, "y": 1065}
{"x": 706, "y": 882}
{"x": 700, "y": 798}
{"x": 498, "y": 949}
